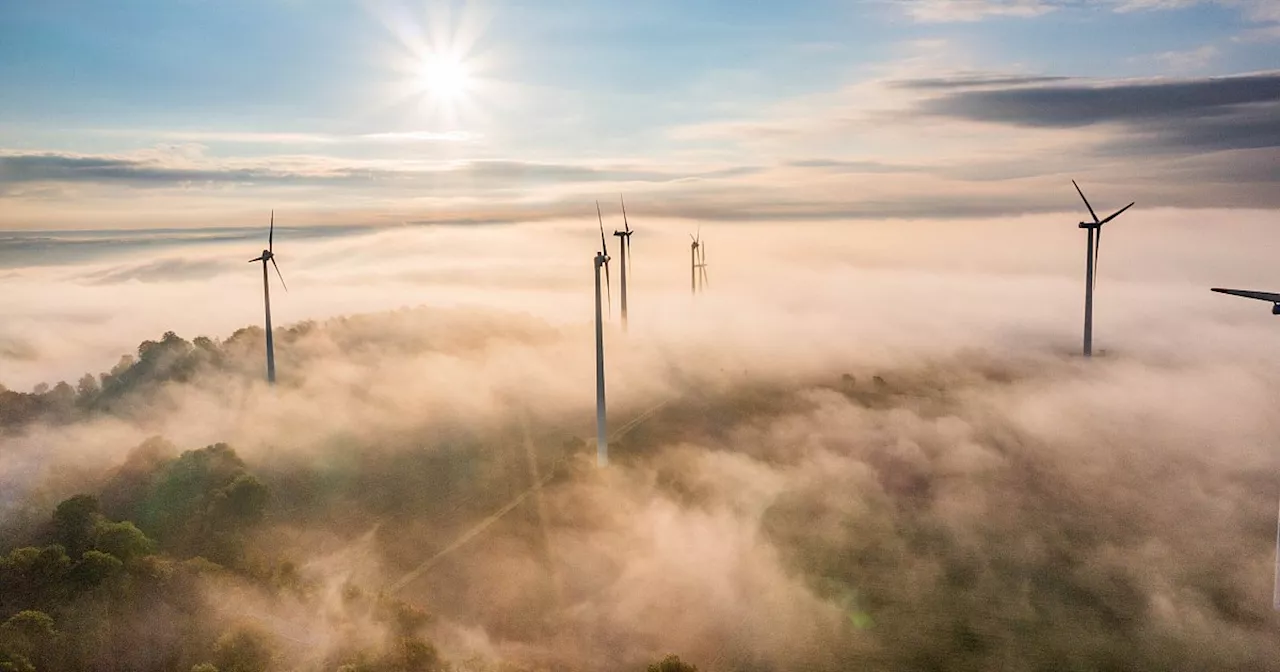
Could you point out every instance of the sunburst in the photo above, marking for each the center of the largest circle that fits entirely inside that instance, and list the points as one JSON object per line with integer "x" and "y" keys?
{"x": 441, "y": 72}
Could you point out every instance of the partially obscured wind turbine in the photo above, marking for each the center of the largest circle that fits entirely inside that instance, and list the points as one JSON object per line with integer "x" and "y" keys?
{"x": 1091, "y": 265}
{"x": 268, "y": 255}
{"x": 697, "y": 263}
{"x": 624, "y": 247}
{"x": 602, "y": 437}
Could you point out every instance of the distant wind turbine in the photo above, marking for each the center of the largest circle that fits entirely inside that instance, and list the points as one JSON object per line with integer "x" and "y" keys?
{"x": 602, "y": 437}
{"x": 268, "y": 255}
{"x": 624, "y": 247}
{"x": 1095, "y": 229}
{"x": 697, "y": 263}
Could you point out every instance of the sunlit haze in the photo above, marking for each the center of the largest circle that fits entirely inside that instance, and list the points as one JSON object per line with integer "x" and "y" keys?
{"x": 901, "y": 409}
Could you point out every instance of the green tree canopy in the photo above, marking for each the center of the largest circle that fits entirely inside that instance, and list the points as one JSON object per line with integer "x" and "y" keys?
{"x": 672, "y": 663}
{"x": 123, "y": 540}
{"x": 74, "y": 521}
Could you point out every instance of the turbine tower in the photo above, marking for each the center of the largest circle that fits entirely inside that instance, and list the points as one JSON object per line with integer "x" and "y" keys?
{"x": 697, "y": 263}
{"x": 268, "y": 255}
{"x": 1091, "y": 265}
{"x": 602, "y": 259}
{"x": 624, "y": 247}
{"x": 1275, "y": 591}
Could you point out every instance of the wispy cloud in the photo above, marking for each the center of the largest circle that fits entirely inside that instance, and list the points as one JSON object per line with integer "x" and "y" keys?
{"x": 973, "y": 10}
{"x": 970, "y": 80}
{"x": 150, "y": 170}
{"x": 937, "y": 11}
{"x": 290, "y": 138}
{"x": 1192, "y": 60}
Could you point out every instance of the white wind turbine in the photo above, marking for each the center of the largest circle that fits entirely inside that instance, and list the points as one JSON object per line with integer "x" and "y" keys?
{"x": 624, "y": 248}
{"x": 1091, "y": 269}
{"x": 697, "y": 263}
{"x": 268, "y": 255}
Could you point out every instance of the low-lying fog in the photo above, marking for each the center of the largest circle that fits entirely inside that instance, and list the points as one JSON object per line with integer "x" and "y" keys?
{"x": 870, "y": 444}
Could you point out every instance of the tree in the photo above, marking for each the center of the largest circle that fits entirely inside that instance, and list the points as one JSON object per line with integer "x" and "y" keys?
{"x": 87, "y": 388}
{"x": 30, "y": 634}
{"x": 242, "y": 650}
{"x": 241, "y": 503}
{"x": 123, "y": 540}
{"x": 62, "y": 397}
{"x": 672, "y": 663}
{"x": 74, "y": 521}
{"x": 14, "y": 662}
{"x": 94, "y": 568}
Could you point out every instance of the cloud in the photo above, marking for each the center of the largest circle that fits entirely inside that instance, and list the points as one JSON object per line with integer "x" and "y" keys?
{"x": 51, "y": 167}
{"x": 291, "y": 138}
{"x": 1204, "y": 114}
{"x": 162, "y": 270}
{"x": 941, "y": 11}
{"x": 1069, "y": 106}
{"x": 937, "y": 11}
{"x": 1191, "y": 60}
{"x": 835, "y": 165}
{"x": 971, "y": 80}
{"x": 985, "y": 471}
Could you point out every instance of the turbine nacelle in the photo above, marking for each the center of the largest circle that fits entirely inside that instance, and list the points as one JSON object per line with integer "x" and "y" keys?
{"x": 1275, "y": 309}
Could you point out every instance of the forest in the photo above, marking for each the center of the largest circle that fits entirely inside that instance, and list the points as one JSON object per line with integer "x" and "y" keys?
{"x": 917, "y": 515}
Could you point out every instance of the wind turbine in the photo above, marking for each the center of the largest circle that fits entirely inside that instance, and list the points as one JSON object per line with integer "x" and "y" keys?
{"x": 1095, "y": 229}
{"x": 602, "y": 259}
{"x": 268, "y": 255}
{"x": 697, "y": 262}
{"x": 1250, "y": 294}
{"x": 624, "y": 247}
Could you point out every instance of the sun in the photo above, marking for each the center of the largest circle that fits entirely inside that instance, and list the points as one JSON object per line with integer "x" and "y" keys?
{"x": 445, "y": 78}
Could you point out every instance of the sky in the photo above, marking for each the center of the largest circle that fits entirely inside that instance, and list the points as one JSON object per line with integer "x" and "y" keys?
{"x": 191, "y": 113}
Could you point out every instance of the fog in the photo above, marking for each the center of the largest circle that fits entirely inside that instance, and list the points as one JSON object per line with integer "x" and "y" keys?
{"x": 867, "y": 444}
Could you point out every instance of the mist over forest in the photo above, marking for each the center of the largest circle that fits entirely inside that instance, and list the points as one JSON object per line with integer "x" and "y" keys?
{"x": 906, "y": 467}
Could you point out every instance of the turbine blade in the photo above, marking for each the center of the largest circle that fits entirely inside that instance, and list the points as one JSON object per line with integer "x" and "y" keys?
{"x": 273, "y": 263}
{"x": 1086, "y": 201}
{"x": 631, "y": 260}
{"x": 625, "y": 225}
{"x": 695, "y": 240}
{"x": 256, "y": 259}
{"x": 604, "y": 246}
{"x": 271, "y": 232}
{"x": 1116, "y": 214}
{"x": 608, "y": 286}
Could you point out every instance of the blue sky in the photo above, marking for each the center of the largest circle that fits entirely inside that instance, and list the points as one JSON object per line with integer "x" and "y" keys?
{"x": 215, "y": 108}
